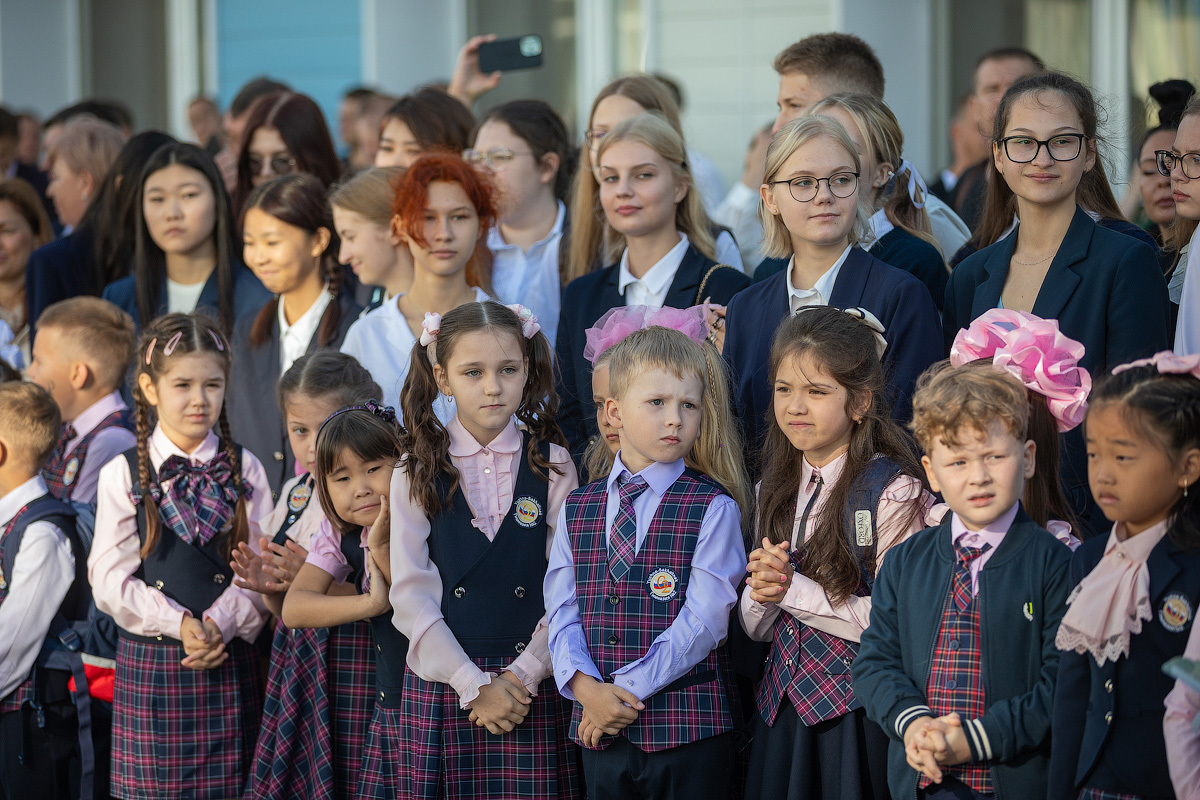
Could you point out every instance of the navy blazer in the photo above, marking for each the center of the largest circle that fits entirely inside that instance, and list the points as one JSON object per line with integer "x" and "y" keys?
{"x": 248, "y": 295}
{"x": 900, "y": 301}
{"x": 585, "y": 300}
{"x": 1108, "y": 721}
{"x": 56, "y": 271}
{"x": 254, "y": 414}
{"x": 1119, "y": 313}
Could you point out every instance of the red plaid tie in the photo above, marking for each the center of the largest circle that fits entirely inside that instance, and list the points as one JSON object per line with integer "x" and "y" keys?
{"x": 65, "y": 436}
{"x": 962, "y": 573}
{"x": 622, "y": 542}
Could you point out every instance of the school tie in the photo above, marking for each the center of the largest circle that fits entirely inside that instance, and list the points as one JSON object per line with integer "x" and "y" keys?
{"x": 66, "y": 435}
{"x": 812, "y": 501}
{"x": 962, "y": 573}
{"x": 622, "y": 542}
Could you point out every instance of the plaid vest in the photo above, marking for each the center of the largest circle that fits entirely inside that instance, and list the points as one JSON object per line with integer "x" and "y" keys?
{"x": 63, "y": 469}
{"x": 621, "y": 619}
{"x": 811, "y": 667}
{"x": 956, "y": 683}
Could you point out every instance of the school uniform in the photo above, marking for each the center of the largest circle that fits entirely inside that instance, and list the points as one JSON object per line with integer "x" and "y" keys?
{"x": 467, "y": 590}
{"x": 179, "y": 731}
{"x": 974, "y": 635}
{"x": 1179, "y": 729}
{"x": 249, "y": 295}
{"x": 643, "y": 576}
{"x": 810, "y": 736}
{"x": 901, "y": 249}
{"x": 382, "y": 342}
{"x": 320, "y": 682}
{"x": 900, "y": 301}
{"x": 1106, "y": 292}
{"x": 685, "y": 279}
{"x": 1108, "y": 720}
{"x": 39, "y": 753}
{"x": 58, "y": 270}
{"x": 1119, "y": 225}
{"x": 530, "y": 277}
{"x": 251, "y": 403}
{"x": 100, "y": 433}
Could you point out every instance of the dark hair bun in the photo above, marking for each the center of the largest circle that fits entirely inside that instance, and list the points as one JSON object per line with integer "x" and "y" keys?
{"x": 1171, "y": 96}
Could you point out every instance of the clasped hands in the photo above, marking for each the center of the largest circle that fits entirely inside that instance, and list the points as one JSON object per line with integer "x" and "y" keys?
{"x": 771, "y": 572}
{"x": 930, "y": 744}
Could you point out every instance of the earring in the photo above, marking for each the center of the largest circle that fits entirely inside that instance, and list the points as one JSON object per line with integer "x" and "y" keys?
{"x": 1185, "y": 487}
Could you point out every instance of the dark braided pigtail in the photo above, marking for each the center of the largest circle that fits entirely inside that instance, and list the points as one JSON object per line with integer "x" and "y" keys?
{"x": 327, "y": 330}
{"x": 146, "y": 478}
{"x": 240, "y": 532}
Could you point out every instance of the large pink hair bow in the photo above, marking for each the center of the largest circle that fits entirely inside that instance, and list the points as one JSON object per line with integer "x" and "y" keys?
{"x": 1034, "y": 351}
{"x": 529, "y": 321}
{"x": 1167, "y": 363}
{"x": 619, "y": 322}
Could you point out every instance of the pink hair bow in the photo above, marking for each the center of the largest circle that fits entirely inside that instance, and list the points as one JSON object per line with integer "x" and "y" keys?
{"x": 430, "y": 327}
{"x": 619, "y": 322}
{"x": 529, "y": 321}
{"x": 1036, "y": 353}
{"x": 1167, "y": 363}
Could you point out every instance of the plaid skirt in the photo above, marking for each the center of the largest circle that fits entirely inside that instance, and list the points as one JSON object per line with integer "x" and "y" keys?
{"x": 180, "y": 732}
{"x": 320, "y": 692}
{"x": 379, "y": 777}
{"x": 1104, "y": 794}
{"x": 446, "y": 756}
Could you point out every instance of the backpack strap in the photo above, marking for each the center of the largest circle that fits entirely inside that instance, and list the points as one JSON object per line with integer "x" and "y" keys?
{"x": 862, "y": 512}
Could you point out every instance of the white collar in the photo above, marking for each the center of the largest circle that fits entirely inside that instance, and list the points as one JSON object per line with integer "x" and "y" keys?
{"x": 658, "y": 277}
{"x": 496, "y": 239}
{"x": 15, "y": 500}
{"x": 310, "y": 318}
{"x": 821, "y": 291}
{"x": 161, "y": 448}
{"x": 880, "y": 226}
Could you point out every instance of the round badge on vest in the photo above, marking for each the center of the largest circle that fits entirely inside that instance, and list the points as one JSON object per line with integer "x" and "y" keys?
{"x": 71, "y": 471}
{"x": 1176, "y": 612}
{"x": 299, "y": 496}
{"x": 527, "y": 511}
{"x": 663, "y": 584}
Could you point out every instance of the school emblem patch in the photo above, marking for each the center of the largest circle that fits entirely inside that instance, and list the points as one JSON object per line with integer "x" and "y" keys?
{"x": 299, "y": 496}
{"x": 663, "y": 584}
{"x": 527, "y": 512}
{"x": 71, "y": 471}
{"x": 1176, "y": 612}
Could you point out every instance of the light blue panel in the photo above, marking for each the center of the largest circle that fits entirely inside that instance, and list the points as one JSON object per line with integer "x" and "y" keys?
{"x": 314, "y": 46}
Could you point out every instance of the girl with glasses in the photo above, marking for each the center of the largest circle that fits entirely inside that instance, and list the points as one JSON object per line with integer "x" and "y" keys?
{"x": 814, "y": 211}
{"x": 524, "y": 147}
{"x": 285, "y": 133}
{"x": 1154, "y": 186}
{"x": 1104, "y": 288}
{"x": 1182, "y": 164}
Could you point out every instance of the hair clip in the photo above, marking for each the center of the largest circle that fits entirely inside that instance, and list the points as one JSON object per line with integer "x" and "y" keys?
{"x": 372, "y": 407}
{"x": 217, "y": 340}
{"x": 172, "y": 343}
{"x": 150, "y": 350}
{"x": 529, "y": 322}
{"x": 430, "y": 328}
{"x": 917, "y": 191}
{"x": 872, "y": 322}
{"x": 1167, "y": 363}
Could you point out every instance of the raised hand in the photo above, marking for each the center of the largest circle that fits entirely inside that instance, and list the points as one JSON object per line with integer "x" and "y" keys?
{"x": 468, "y": 83}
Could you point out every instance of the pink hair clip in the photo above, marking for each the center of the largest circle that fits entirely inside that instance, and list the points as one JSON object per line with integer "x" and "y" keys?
{"x": 1167, "y": 363}
{"x": 619, "y": 322}
{"x": 529, "y": 322}
{"x": 1036, "y": 353}
{"x": 430, "y": 327}
{"x": 172, "y": 343}
{"x": 150, "y": 350}
{"x": 217, "y": 340}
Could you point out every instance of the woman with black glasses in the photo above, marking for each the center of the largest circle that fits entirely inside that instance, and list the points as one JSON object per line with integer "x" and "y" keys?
{"x": 285, "y": 133}
{"x": 1182, "y": 165}
{"x": 1104, "y": 288}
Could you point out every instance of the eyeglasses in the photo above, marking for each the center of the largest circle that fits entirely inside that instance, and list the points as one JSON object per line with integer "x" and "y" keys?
{"x": 497, "y": 158}
{"x": 592, "y": 138}
{"x": 1023, "y": 149}
{"x": 280, "y": 165}
{"x": 805, "y": 188}
{"x": 1189, "y": 163}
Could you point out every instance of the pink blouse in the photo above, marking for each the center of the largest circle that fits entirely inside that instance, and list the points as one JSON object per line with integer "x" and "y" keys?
{"x": 1179, "y": 728}
{"x": 805, "y": 599}
{"x": 325, "y": 551}
{"x": 486, "y": 477}
{"x": 142, "y": 609}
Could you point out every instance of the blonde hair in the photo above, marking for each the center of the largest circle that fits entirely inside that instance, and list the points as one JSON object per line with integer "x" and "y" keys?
{"x": 950, "y": 401}
{"x": 777, "y": 239}
{"x": 590, "y": 248}
{"x": 29, "y": 423}
{"x": 97, "y": 333}
{"x": 881, "y": 131}
{"x": 718, "y": 449}
{"x": 652, "y": 130}
{"x": 88, "y": 145}
{"x": 370, "y": 194}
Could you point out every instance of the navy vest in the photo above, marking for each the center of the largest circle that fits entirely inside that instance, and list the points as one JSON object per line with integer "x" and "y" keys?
{"x": 391, "y": 646}
{"x": 61, "y": 471}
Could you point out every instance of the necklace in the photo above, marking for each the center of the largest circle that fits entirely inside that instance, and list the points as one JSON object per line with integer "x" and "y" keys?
{"x": 1033, "y": 263}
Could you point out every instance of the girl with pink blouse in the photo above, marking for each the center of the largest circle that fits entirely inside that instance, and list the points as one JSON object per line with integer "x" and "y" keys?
{"x": 473, "y": 509}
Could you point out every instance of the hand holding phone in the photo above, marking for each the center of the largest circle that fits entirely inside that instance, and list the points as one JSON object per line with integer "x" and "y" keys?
{"x": 505, "y": 55}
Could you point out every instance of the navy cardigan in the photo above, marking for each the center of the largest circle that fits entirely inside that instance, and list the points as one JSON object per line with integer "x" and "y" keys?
{"x": 248, "y": 295}
{"x": 900, "y": 301}
{"x": 1108, "y": 721}
{"x": 585, "y": 300}
{"x": 1022, "y": 596}
{"x": 59, "y": 270}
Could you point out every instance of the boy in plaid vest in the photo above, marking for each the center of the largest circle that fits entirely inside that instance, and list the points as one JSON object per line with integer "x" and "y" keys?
{"x": 643, "y": 575}
{"x": 83, "y": 349}
{"x": 959, "y": 664}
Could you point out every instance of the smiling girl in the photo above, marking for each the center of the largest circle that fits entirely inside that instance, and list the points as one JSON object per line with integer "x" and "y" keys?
{"x": 370, "y": 245}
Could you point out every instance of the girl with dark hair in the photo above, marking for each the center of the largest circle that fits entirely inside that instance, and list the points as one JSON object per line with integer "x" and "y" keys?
{"x": 24, "y": 227}
{"x": 525, "y": 148}
{"x": 285, "y": 133}
{"x": 1104, "y": 288}
{"x": 427, "y": 121}
{"x": 473, "y": 507}
{"x": 170, "y": 514}
{"x": 289, "y": 243}
{"x": 1136, "y": 589}
{"x": 319, "y": 688}
{"x": 833, "y": 459}
{"x": 442, "y": 209}
{"x": 1182, "y": 164}
{"x": 185, "y": 252}
{"x": 100, "y": 249}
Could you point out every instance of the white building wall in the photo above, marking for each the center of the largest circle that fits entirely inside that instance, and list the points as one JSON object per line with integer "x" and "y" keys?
{"x": 39, "y": 54}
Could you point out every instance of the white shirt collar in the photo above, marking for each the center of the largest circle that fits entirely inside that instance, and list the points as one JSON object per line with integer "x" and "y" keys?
{"x": 90, "y": 417}
{"x": 496, "y": 239}
{"x": 294, "y": 338}
{"x": 880, "y": 226}
{"x": 821, "y": 291}
{"x": 15, "y": 500}
{"x": 161, "y": 448}
{"x": 658, "y": 278}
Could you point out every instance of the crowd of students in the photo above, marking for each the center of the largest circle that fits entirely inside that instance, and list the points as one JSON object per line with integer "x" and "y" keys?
{"x": 495, "y": 470}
